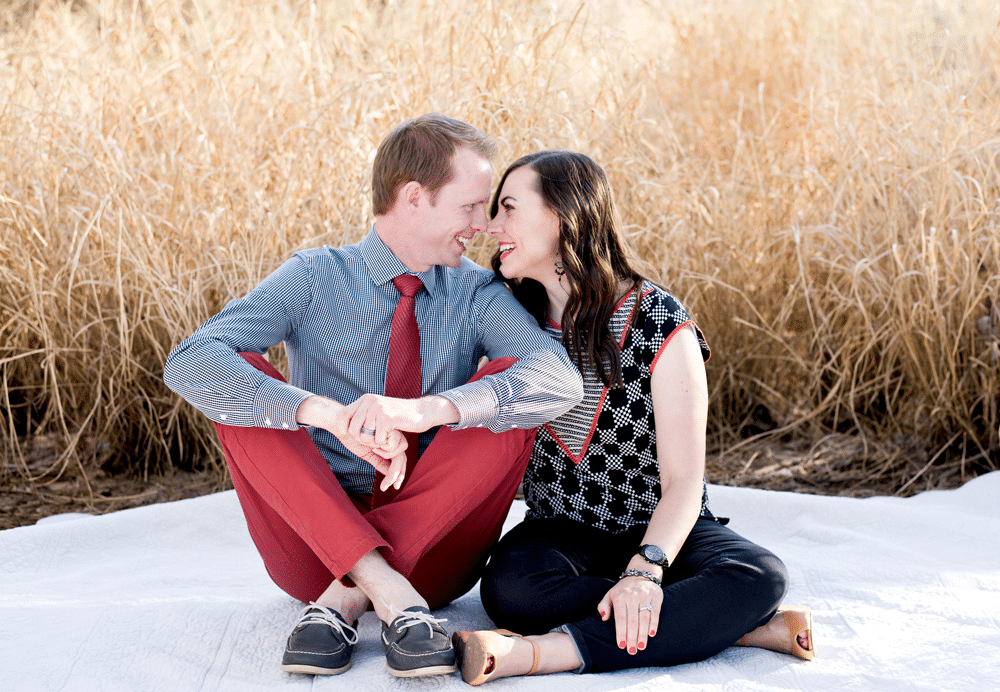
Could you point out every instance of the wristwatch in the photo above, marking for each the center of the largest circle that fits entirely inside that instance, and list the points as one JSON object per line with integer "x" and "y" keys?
{"x": 653, "y": 555}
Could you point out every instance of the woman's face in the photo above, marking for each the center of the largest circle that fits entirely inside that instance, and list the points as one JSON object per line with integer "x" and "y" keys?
{"x": 526, "y": 229}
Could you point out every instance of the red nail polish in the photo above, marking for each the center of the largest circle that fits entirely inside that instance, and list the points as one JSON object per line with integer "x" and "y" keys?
{"x": 652, "y": 633}
{"x": 631, "y": 650}
{"x": 621, "y": 645}
{"x": 642, "y": 645}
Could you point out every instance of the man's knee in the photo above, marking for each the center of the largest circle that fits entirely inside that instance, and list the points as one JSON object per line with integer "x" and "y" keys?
{"x": 262, "y": 364}
{"x": 493, "y": 367}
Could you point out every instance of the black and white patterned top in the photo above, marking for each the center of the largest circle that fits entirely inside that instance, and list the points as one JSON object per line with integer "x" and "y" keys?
{"x": 597, "y": 463}
{"x": 333, "y": 309}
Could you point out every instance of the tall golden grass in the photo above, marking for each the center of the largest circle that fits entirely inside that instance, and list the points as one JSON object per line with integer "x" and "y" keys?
{"x": 819, "y": 181}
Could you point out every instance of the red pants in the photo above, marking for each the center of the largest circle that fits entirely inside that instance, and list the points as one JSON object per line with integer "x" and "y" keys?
{"x": 437, "y": 531}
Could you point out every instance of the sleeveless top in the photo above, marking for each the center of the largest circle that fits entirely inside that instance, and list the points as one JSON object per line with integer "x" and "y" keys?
{"x": 596, "y": 464}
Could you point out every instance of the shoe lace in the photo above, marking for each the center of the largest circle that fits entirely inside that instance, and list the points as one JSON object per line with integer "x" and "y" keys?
{"x": 412, "y": 618}
{"x": 315, "y": 614}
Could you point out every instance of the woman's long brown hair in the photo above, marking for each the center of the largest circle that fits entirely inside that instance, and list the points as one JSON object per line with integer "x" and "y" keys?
{"x": 595, "y": 255}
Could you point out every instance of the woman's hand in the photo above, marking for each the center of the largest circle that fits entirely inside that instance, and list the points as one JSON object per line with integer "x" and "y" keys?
{"x": 635, "y": 602}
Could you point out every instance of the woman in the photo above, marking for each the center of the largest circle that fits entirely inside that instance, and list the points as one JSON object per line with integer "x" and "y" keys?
{"x": 619, "y": 562}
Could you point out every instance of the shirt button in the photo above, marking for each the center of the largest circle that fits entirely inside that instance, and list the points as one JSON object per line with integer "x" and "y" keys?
{"x": 223, "y": 416}
{"x": 267, "y": 421}
{"x": 285, "y": 426}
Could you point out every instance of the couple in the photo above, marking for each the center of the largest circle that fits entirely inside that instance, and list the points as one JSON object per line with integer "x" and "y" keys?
{"x": 381, "y": 473}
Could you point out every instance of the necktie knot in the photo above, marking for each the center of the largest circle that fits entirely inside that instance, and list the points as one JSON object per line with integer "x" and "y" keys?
{"x": 407, "y": 284}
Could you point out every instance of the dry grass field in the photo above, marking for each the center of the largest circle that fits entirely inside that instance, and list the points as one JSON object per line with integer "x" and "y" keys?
{"x": 818, "y": 180}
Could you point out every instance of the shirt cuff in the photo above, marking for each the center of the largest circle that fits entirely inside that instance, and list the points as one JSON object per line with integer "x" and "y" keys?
{"x": 276, "y": 404}
{"x": 477, "y": 405}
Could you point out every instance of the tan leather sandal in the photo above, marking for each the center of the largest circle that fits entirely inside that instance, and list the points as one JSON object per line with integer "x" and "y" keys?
{"x": 796, "y": 619}
{"x": 478, "y": 654}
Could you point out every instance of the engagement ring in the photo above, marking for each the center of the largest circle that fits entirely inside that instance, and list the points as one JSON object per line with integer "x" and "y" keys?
{"x": 366, "y": 431}
{"x": 648, "y": 606}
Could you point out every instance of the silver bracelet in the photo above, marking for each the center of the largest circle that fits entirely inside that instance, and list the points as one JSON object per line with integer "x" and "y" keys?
{"x": 640, "y": 573}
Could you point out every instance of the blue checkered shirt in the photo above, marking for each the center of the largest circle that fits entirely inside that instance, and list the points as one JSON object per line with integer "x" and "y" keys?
{"x": 333, "y": 309}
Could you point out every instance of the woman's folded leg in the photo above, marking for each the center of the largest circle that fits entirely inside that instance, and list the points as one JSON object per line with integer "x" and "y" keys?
{"x": 720, "y": 587}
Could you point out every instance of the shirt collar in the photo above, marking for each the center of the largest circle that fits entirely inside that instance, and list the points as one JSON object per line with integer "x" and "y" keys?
{"x": 383, "y": 266}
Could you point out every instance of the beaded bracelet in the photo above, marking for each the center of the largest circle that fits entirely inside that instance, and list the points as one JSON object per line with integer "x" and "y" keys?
{"x": 640, "y": 573}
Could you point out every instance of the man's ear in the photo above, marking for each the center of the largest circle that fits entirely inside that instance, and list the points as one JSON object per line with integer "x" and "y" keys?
{"x": 410, "y": 193}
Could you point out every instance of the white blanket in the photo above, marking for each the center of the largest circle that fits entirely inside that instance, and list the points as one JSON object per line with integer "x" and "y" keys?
{"x": 905, "y": 595}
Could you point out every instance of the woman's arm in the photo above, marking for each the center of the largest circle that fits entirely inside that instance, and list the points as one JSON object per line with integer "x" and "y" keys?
{"x": 680, "y": 411}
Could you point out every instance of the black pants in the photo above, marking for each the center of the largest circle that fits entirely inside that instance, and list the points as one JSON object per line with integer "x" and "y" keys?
{"x": 547, "y": 573}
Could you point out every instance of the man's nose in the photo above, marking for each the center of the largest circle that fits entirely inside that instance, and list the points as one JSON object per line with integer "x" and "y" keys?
{"x": 480, "y": 221}
{"x": 493, "y": 227}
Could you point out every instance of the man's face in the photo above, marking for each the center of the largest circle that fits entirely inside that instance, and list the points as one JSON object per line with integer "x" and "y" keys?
{"x": 457, "y": 213}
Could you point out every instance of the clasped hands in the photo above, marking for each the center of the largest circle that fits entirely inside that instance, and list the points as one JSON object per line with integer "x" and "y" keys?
{"x": 372, "y": 427}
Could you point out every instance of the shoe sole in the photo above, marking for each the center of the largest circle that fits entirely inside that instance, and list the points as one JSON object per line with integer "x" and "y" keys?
{"x": 475, "y": 658}
{"x": 421, "y": 672}
{"x": 798, "y": 618}
{"x": 313, "y": 670}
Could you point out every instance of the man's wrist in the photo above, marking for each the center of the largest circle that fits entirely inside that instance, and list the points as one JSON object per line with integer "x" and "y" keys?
{"x": 437, "y": 410}
{"x": 316, "y": 409}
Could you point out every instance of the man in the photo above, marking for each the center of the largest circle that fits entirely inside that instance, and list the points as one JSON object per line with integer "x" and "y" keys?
{"x": 330, "y": 530}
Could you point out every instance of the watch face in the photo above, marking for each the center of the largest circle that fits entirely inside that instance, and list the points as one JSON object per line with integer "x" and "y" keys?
{"x": 652, "y": 553}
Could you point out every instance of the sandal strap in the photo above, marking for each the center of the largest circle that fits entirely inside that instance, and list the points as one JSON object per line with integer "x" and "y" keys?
{"x": 534, "y": 647}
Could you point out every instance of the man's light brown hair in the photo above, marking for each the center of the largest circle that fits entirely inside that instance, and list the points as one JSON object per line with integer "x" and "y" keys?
{"x": 422, "y": 149}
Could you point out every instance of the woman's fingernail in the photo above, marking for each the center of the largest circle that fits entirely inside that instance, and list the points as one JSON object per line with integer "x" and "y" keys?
{"x": 621, "y": 645}
{"x": 642, "y": 645}
{"x": 652, "y": 633}
{"x": 631, "y": 650}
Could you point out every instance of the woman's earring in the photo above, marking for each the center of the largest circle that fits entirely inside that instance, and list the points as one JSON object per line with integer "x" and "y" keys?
{"x": 560, "y": 270}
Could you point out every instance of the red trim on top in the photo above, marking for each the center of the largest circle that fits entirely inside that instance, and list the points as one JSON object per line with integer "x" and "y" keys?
{"x": 604, "y": 392}
{"x": 586, "y": 442}
{"x": 659, "y": 352}
{"x": 553, "y": 324}
{"x": 625, "y": 297}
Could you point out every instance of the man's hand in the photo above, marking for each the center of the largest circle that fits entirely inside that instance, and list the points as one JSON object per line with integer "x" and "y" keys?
{"x": 380, "y": 416}
{"x": 388, "y": 457}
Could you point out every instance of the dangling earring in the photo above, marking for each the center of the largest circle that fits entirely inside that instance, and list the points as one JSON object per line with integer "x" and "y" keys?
{"x": 560, "y": 270}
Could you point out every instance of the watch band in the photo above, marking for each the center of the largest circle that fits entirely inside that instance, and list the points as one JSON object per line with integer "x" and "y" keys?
{"x": 662, "y": 561}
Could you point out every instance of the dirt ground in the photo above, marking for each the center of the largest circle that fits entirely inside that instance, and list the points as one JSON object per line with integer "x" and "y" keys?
{"x": 22, "y": 505}
{"x": 831, "y": 468}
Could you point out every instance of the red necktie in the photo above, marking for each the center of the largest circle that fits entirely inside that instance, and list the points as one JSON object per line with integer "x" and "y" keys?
{"x": 402, "y": 374}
